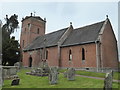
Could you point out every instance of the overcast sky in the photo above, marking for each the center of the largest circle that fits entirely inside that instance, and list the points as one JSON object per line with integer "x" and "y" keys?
{"x": 59, "y": 14}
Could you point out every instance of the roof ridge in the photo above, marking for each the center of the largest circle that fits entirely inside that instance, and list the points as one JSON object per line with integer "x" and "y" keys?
{"x": 56, "y": 31}
{"x": 89, "y": 25}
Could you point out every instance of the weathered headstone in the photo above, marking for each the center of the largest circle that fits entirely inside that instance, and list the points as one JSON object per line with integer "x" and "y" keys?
{"x": 65, "y": 74}
{"x": 15, "y": 81}
{"x": 9, "y": 71}
{"x": 71, "y": 74}
{"x": 53, "y": 75}
{"x": 32, "y": 72}
{"x": 108, "y": 81}
{"x": 17, "y": 64}
{"x": 1, "y": 78}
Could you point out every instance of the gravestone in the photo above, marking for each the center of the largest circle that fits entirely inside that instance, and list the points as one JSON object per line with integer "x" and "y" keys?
{"x": 108, "y": 81}
{"x": 15, "y": 81}
{"x": 9, "y": 71}
{"x": 17, "y": 64}
{"x": 1, "y": 77}
{"x": 71, "y": 74}
{"x": 32, "y": 72}
{"x": 44, "y": 66}
{"x": 53, "y": 75}
{"x": 65, "y": 74}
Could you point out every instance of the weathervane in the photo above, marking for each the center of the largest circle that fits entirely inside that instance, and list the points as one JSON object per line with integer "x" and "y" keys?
{"x": 34, "y": 13}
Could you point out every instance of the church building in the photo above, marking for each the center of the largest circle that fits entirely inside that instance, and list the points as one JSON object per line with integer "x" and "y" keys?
{"x": 90, "y": 47}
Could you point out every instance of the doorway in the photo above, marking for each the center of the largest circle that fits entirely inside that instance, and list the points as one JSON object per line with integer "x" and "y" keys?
{"x": 30, "y": 61}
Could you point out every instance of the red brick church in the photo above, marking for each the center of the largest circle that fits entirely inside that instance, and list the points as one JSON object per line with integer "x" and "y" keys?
{"x": 88, "y": 47}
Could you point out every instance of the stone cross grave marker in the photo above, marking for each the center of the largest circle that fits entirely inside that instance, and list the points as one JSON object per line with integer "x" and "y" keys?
{"x": 108, "y": 81}
{"x": 53, "y": 75}
{"x": 71, "y": 74}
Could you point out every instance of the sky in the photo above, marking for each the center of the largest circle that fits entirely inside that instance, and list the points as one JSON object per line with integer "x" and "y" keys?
{"x": 59, "y": 14}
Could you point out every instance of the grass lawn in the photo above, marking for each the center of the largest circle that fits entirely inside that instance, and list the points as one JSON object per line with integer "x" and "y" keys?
{"x": 28, "y": 81}
{"x": 116, "y": 75}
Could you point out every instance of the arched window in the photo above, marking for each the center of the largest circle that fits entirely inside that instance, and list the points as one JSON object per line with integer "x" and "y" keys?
{"x": 70, "y": 55}
{"x": 46, "y": 54}
{"x": 83, "y": 54}
{"x": 38, "y": 31}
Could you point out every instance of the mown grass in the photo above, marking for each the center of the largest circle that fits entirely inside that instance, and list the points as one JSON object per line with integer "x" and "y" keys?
{"x": 116, "y": 75}
{"x": 28, "y": 81}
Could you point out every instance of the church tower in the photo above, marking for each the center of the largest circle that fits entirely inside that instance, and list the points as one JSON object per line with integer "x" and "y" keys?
{"x": 32, "y": 27}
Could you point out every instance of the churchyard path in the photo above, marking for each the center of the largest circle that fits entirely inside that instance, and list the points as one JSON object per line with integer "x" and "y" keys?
{"x": 96, "y": 78}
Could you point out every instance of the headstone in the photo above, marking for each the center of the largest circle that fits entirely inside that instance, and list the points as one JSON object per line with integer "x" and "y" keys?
{"x": 53, "y": 75}
{"x": 15, "y": 81}
{"x": 13, "y": 71}
{"x": 17, "y": 64}
{"x": 65, "y": 74}
{"x": 108, "y": 81}
{"x": 33, "y": 72}
{"x": 1, "y": 78}
{"x": 71, "y": 74}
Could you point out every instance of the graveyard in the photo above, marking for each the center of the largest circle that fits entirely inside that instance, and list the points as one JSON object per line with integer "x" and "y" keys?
{"x": 31, "y": 81}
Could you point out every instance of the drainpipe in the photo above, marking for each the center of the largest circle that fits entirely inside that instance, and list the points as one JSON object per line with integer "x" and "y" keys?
{"x": 59, "y": 54}
{"x": 97, "y": 54}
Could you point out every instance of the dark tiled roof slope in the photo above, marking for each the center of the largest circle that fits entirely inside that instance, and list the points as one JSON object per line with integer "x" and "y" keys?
{"x": 84, "y": 35}
{"x": 51, "y": 40}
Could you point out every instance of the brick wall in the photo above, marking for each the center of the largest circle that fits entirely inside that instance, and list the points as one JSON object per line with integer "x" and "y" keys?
{"x": 90, "y": 56}
{"x": 109, "y": 51}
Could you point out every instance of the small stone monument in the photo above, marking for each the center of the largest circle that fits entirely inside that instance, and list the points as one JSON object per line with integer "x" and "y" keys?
{"x": 15, "y": 81}
{"x": 1, "y": 76}
{"x": 65, "y": 74}
{"x": 53, "y": 75}
{"x": 42, "y": 70}
{"x": 71, "y": 74}
{"x": 108, "y": 81}
{"x": 17, "y": 64}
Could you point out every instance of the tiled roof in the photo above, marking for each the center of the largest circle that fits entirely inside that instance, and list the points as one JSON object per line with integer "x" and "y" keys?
{"x": 51, "y": 40}
{"x": 78, "y": 36}
{"x": 83, "y": 35}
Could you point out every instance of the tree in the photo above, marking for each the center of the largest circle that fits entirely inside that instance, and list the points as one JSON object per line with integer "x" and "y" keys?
{"x": 10, "y": 46}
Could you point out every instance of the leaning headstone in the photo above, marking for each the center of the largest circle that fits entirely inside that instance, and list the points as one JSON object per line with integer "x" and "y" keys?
{"x": 71, "y": 74}
{"x": 15, "y": 81}
{"x": 53, "y": 75}
{"x": 108, "y": 81}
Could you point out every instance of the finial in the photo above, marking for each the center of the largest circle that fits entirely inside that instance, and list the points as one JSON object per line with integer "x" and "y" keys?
{"x": 6, "y": 16}
{"x": 106, "y": 16}
{"x": 31, "y": 14}
{"x": 22, "y": 18}
{"x": 70, "y": 23}
{"x": 44, "y": 19}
